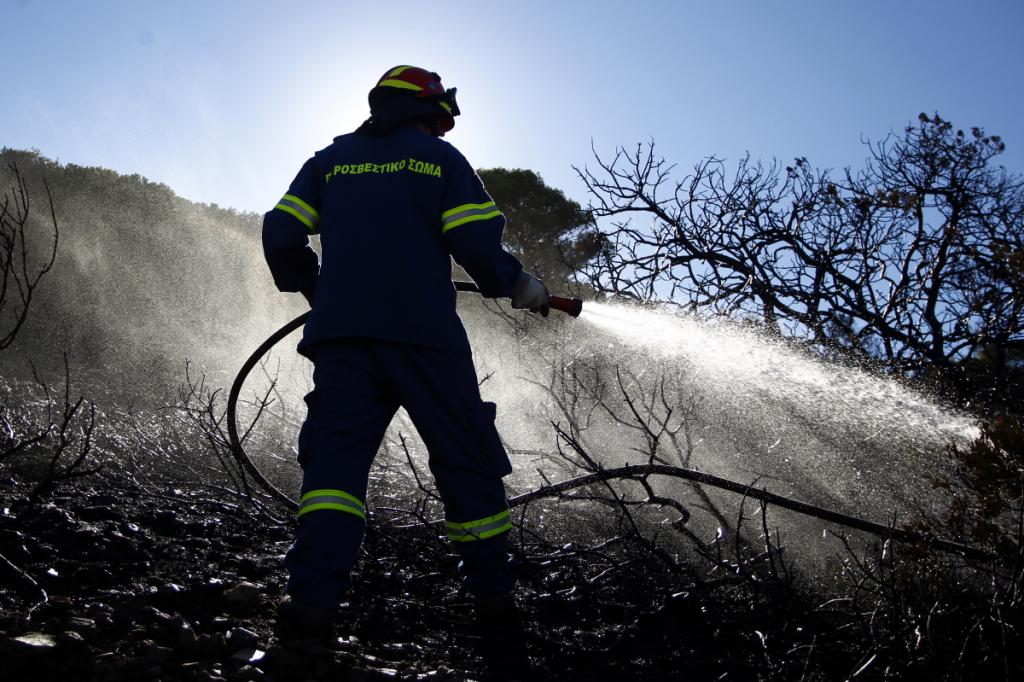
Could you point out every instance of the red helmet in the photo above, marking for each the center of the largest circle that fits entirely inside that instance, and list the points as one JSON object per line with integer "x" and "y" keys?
{"x": 423, "y": 85}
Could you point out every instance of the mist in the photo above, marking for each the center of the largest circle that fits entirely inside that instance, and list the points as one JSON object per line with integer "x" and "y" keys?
{"x": 144, "y": 280}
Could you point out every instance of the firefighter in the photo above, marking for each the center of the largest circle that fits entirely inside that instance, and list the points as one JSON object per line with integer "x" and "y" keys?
{"x": 393, "y": 203}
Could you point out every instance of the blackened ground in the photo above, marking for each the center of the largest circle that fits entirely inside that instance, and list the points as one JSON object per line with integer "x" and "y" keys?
{"x": 176, "y": 584}
{"x": 182, "y": 584}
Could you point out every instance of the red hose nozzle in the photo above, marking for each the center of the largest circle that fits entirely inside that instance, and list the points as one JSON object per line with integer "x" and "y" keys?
{"x": 570, "y": 306}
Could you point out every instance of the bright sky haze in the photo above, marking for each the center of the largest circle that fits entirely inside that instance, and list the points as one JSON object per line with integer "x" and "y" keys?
{"x": 223, "y": 101}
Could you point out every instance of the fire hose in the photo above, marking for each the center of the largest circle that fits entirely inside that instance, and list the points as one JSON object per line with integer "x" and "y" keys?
{"x": 573, "y": 307}
{"x": 570, "y": 306}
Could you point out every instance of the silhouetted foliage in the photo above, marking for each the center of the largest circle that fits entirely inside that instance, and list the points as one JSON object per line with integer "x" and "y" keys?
{"x": 20, "y": 273}
{"x": 915, "y": 260}
{"x": 552, "y": 235}
{"x": 994, "y": 377}
{"x": 988, "y": 493}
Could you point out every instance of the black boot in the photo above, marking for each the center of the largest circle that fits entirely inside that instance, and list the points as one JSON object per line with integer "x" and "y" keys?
{"x": 298, "y": 621}
{"x": 502, "y": 638}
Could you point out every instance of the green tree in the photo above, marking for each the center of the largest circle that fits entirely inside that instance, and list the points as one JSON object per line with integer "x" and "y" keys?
{"x": 551, "y": 234}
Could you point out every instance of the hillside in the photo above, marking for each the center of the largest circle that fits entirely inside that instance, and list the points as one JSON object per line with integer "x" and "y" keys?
{"x": 143, "y": 278}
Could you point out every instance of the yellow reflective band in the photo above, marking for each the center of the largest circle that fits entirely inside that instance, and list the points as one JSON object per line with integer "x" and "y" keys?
{"x": 336, "y": 500}
{"x": 470, "y": 219}
{"x": 399, "y": 84}
{"x": 480, "y": 529}
{"x": 464, "y": 207}
{"x": 303, "y": 204}
{"x": 306, "y": 221}
{"x": 300, "y": 209}
{"x": 398, "y": 70}
{"x": 444, "y": 105}
{"x": 467, "y": 213}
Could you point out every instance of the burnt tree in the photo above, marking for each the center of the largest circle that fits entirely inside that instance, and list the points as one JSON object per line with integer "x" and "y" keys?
{"x": 19, "y": 276}
{"x": 917, "y": 260}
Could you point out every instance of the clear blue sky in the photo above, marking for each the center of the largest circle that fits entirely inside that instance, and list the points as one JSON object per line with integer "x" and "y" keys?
{"x": 223, "y": 101}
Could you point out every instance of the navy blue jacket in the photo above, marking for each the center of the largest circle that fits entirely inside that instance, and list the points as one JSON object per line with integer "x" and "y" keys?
{"x": 391, "y": 212}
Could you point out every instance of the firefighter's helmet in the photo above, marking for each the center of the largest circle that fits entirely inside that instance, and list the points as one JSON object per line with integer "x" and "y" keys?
{"x": 425, "y": 86}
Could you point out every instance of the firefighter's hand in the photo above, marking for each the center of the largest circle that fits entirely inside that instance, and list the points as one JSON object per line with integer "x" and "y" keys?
{"x": 530, "y": 293}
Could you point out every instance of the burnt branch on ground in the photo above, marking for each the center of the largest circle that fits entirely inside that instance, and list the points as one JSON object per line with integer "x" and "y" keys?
{"x": 72, "y": 440}
{"x": 53, "y": 438}
{"x": 202, "y": 407}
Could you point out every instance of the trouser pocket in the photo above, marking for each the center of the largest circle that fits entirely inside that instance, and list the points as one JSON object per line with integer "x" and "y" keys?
{"x": 306, "y": 431}
{"x": 490, "y": 442}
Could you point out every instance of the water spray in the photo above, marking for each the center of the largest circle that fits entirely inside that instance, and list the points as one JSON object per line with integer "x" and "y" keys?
{"x": 569, "y": 306}
{"x": 574, "y": 307}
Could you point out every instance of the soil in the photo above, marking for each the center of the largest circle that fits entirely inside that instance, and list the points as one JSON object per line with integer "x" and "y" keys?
{"x": 179, "y": 584}
{"x": 114, "y": 580}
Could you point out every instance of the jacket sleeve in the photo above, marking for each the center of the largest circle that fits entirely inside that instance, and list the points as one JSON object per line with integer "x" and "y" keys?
{"x": 471, "y": 226}
{"x": 286, "y": 231}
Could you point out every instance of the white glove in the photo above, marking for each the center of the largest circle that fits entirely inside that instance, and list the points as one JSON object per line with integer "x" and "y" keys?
{"x": 530, "y": 293}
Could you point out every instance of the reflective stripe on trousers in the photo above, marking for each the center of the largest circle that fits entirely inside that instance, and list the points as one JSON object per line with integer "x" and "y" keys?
{"x": 481, "y": 529}
{"x": 337, "y": 500}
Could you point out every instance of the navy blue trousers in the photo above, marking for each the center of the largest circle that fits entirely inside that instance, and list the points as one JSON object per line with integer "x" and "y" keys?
{"x": 359, "y": 384}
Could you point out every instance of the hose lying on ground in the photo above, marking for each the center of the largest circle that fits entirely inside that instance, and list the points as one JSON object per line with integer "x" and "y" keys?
{"x": 626, "y": 472}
